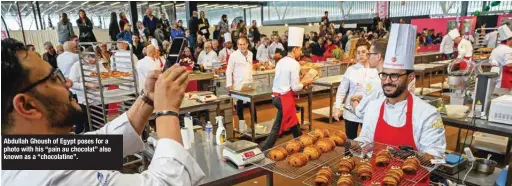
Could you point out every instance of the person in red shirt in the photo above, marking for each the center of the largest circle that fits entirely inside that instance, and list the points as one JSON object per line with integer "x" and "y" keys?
{"x": 329, "y": 46}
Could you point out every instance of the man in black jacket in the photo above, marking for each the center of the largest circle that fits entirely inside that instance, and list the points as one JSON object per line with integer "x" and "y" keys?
{"x": 375, "y": 22}
{"x": 137, "y": 46}
{"x": 193, "y": 26}
{"x": 50, "y": 55}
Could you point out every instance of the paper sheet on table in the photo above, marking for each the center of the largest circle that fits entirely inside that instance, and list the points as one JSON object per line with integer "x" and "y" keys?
{"x": 204, "y": 31}
{"x": 248, "y": 87}
{"x": 312, "y": 75}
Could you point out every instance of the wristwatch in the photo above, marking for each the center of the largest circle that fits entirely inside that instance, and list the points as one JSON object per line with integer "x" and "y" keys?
{"x": 146, "y": 99}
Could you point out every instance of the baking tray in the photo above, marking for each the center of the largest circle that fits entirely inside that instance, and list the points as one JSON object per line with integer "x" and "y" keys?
{"x": 114, "y": 99}
{"x": 112, "y": 93}
{"x": 110, "y": 81}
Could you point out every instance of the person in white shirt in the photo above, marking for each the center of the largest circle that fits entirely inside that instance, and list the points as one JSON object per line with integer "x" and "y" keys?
{"x": 464, "y": 48}
{"x": 148, "y": 64}
{"x": 352, "y": 87}
{"x": 400, "y": 118}
{"x": 491, "y": 39}
{"x": 469, "y": 37}
{"x": 501, "y": 57}
{"x": 207, "y": 56}
{"x": 225, "y": 53}
{"x": 68, "y": 58}
{"x": 275, "y": 45}
{"x": 262, "y": 54}
{"x": 446, "y": 47}
{"x": 53, "y": 111}
{"x": 286, "y": 82}
{"x": 239, "y": 72}
{"x": 122, "y": 62}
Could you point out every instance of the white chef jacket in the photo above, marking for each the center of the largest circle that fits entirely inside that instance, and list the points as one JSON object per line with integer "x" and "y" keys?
{"x": 446, "y": 45}
{"x": 500, "y": 56}
{"x": 373, "y": 91}
{"x": 287, "y": 76}
{"x": 262, "y": 54}
{"x": 122, "y": 63}
{"x": 65, "y": 61}
{"x": 206, "y": 59}
{"x": 239, "y": 70}
{"x": 144, "y": 66}
{"x": 76, "y": 74}
{"x": 491, "y": 39}
{"x": 223, "y": 55}
{"x": 272, "y": 48}
{"x": 171, "y": 165}
{"x": 465, "y": 49}
{"x": 353, "y": 82}
{"x": 428, "y": 130}
{"x": 469, "y": 38}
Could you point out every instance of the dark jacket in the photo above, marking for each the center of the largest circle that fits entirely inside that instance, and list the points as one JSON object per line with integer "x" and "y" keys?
{"x": 52, "y": 59}
{"x": 342, "y": 30}
{"x": 255, "y": 33}
{"x": 137, "y": 50}
{"x": 122, "y": 22}
{"x": 177, "y": 33}
{"x": 150, "y": 24}
{"x": 317, "y": 49}
{"x": 193, "y": 25}
{"x": 86, "y": 34}
{"x": 113, "y": 31}
{"x": 146, "y": 32}
{"x": 375, "y": 22}
{"x": 344, "y": 41}
{"x": 207, "y": 25}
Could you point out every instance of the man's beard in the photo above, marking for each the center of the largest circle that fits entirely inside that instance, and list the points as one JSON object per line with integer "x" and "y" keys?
{"x": 59, "y": 114}
{"x": 399, "y": 90}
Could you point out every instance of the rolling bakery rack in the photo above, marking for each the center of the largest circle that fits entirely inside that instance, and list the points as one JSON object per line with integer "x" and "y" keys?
{"x": 109, "y": 88}
{"x": 358, "y": 152}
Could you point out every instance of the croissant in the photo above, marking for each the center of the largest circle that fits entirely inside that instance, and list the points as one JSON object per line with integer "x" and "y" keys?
{"x": 345, "y": 180}
{"x": 338, "y": 140}
{"x": 364, "y": 170}
{"x": 341, "y": 134}
{"x": 326, "y": 145}
{"x": 298, "y": 160}
{"x": 347, "y": 164}
{"x": 321, "y": 133}
{"x": 393, "y": 177}
{"x": 411, "y": 165}
{"x": 323, "y": 176}
{"x": 277, "y": 154}
{"x": 383, "y": 158}
{"x": 306, "y": 140}
{"x": 313, "y": 152}
{"x": 293, "y": 146}
{"x": 425, "y": 159}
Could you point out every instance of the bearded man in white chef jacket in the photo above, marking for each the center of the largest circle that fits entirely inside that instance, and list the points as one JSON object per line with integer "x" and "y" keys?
{"x": 226, "y": 52}
{"x": 400, "y": 118}
{"x": 501, "y": 57}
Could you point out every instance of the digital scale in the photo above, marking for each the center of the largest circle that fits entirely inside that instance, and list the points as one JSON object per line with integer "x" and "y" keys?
{"x": 201, "y": 96}
{"x": 240, "y": 152}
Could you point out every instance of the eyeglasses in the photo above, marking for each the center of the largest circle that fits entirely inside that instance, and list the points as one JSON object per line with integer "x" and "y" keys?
{"x": 371, "y": 53}
{"x": 393, "y": 76}
{"x": 56, "y": 73}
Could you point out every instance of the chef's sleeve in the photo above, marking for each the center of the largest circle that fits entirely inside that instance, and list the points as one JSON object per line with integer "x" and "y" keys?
{"x": 342, "y": 89}
{"x": 171, "y": 165}
{"x": 367, "y": 129}
{"x": 229, "y": 70}
{"x": 75, "y": 74}
{"x": 132, "y": 142}
{"x": 361, "y": 108}
{"x": 295, "y": 78}
{"x": 433, "y": 137}
{"x": 508, "y": 58}
{"x": 442, "y": 45}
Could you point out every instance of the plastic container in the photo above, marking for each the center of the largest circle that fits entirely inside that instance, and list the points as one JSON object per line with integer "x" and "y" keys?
{"x": 209, "y": 132}
{"x": 189, "y": 124}
{"x": 220, "y": 134}
{"x": 456, "y": 111}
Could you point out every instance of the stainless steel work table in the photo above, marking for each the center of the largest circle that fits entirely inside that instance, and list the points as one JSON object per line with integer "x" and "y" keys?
{"x": 486, "y": 127}
{"x": 474, "y": 178}
{"x": 262, "y": 93}
{"x": 429, "y": 68}
{"x": 332, "y": 82}
{"x": 209, "y": 157}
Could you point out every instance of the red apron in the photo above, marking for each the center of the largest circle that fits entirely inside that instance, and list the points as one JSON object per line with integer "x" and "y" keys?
{"x": 289, "y": 118}
{"x": 506, "y": 77}
{"x": 463, "y": 65}
{"x": 387, "y": 134}
{"x": 227, "y": 56}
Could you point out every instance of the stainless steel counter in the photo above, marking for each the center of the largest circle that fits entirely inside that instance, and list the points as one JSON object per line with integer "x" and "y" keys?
{"x": 474, "y": 178}
{"x": 332, "y": 82}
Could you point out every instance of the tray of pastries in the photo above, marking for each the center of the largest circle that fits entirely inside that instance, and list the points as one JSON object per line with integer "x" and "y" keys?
{"x": 485, "y": 49}
{"x": 301, "y": 155}
{"x": 111, "y": 74}
{"x": 382, "y": 165}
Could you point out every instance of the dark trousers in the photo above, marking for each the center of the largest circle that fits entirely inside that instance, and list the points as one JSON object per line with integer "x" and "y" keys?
{"x": 351, "y": 129}
{"x": 192, "y": 39}
{"x": 84, "y": 126}
{"x": 447, "y": 56}
{"x": 272, "y": 136}
{"x": 240, "y": 111}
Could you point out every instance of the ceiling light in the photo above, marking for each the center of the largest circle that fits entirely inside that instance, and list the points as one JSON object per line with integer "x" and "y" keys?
{"x": 114, "y": 3}
{"x": 69, "y": 2}
{"x": 145, "y": 3}
{"x": 100, "y": 3}
{"x": 51, "y": 2}
{"x": 286, "y": 24}
{"x": 156, "y": 4}
{"x": 169, "y": 4}
{"x": 84, "y": 3}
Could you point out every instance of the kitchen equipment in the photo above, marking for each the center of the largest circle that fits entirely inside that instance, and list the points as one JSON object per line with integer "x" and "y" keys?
{"x": 485, "y": 83}
{"x": 485, "y": 165}
{"x": 501, "y": 110}
{"x": 458, "y": 81}
{"x": 206, "y": 96}
{"x": 456, "y": 111}
{"x": 241, "y": 153}
{"x": 454, "y": 164}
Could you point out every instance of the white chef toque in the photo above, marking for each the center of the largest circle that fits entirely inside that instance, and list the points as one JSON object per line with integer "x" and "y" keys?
{"x": 154, "y": 42}
{"x": 454, "y": 33}
{"x": 227, "y": 37}
{"x": 401, "y": 47}
{"x": 295, "y": 36}
{"x": 504, "y": 32}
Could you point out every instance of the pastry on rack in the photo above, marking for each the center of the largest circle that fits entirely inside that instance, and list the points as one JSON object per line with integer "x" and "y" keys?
{"x": 425, "y": 159}
{"x": 364, "y": 170}
{"x": 338, "y": 140}
{"x": 341, "y": 135}
{"x": 293, "y": 146}
{"x": 393, "y": 177}
{"x": 347, "y": 164}
{"x": 306, "y": 140}
{"x": 277, "y": 154}
{"x": 345, "y": 180}
{"x": 323, "y": 176}
{"x": 321, "y": 133}
{"x": 312, "y": 152}
{"x": 326, "y": 145}
{"x": 298, "y": 160}
{"x": 354, "y": 145}
{"x": 411, "y": 165}
{"x": 383, "y": 158}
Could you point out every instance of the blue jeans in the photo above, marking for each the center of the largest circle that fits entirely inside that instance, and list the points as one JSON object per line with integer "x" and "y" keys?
{"x": 192, "y": 39}
{"x": 448, "y": 56}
